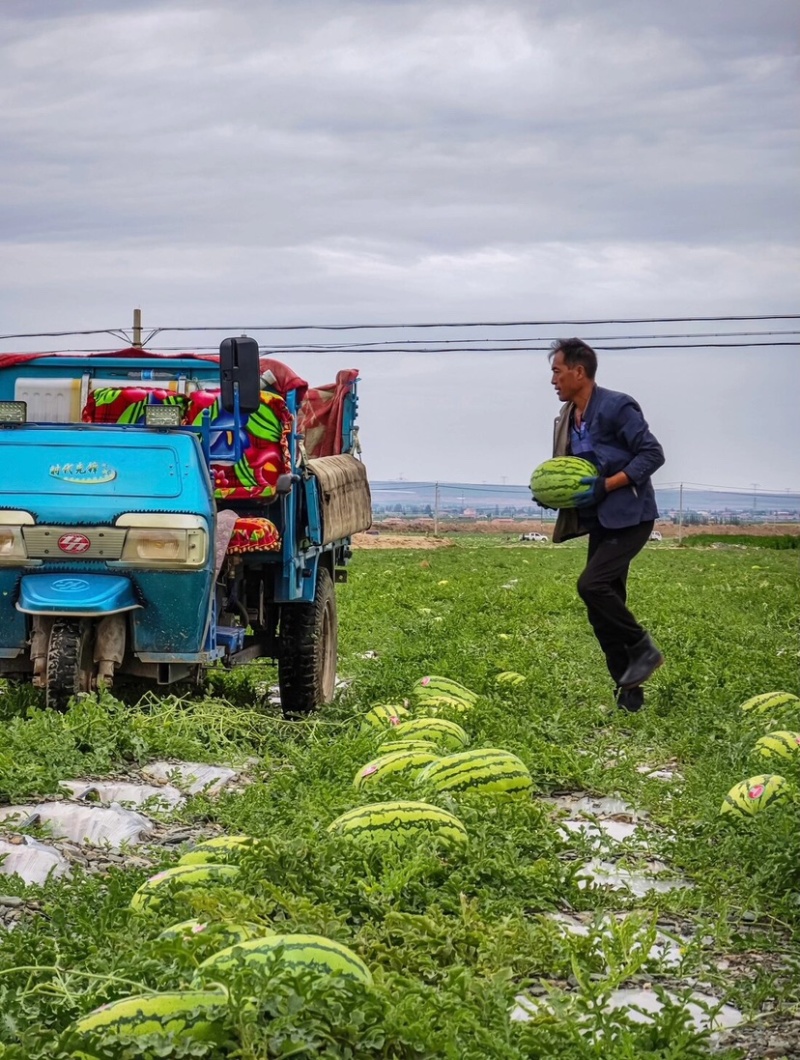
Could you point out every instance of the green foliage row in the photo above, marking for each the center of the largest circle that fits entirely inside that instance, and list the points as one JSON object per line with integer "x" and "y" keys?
{"x": 778, "y": 541}
{"x": 451, "y": 938}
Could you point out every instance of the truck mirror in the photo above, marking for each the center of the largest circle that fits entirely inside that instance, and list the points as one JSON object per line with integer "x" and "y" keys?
{"x": 239, "y": 368}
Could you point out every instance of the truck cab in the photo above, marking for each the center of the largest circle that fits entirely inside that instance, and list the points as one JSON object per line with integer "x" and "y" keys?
{"x": 163, "y": 514}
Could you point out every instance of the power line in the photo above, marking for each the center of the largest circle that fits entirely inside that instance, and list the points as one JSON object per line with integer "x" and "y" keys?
{"x": 395, "y": 327}
{"x": 323, "y": 346}
{"x": 357, "y": 350}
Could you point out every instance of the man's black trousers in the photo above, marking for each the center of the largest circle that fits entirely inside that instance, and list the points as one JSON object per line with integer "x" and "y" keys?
{"x": 603, "y": 588}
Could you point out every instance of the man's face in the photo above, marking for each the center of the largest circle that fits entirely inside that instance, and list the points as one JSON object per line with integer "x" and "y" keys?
{"x": 566, "y": 381}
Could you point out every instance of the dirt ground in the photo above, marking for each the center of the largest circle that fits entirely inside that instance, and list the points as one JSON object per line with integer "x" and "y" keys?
{"x": 393, "y": 540}
{"x": 418, "y": 533}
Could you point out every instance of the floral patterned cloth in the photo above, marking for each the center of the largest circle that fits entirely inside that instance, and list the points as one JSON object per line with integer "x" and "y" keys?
{"x": 109, "y": 404}
{"x": 254, "y": 535}
{"x": 264, "y": 440}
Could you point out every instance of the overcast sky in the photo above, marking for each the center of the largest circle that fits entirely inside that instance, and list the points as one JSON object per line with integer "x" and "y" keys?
{"x": 330, "y": 161}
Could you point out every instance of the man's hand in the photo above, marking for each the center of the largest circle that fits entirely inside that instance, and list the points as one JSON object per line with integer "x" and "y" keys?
{"x": 537, "y": 501}
{"x": 594, "y": 495}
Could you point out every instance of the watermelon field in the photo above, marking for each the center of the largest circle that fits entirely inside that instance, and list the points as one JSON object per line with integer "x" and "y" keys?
{"x": 577, "y": 895}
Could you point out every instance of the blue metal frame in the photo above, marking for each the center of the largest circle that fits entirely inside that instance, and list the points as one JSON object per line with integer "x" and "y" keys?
{"x": 296, "y": 579}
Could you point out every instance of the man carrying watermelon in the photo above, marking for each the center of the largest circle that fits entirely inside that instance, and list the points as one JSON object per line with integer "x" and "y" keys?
{"x": 616, "y": 507}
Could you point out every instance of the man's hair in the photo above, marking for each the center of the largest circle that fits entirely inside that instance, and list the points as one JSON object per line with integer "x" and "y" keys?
{"x": 575, "y": 352}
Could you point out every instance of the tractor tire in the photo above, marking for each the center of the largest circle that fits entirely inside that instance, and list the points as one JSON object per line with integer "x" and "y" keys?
{"x": 69, "y": 662}
{"x": 308, "y": 650}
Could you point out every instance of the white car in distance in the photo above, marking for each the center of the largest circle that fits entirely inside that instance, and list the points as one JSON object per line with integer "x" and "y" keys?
{"x": 533, "y": 536}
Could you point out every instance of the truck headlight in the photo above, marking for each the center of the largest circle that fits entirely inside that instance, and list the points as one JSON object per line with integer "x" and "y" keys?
{"x": 12, "y": 543}
{"x": 164, "y": 540}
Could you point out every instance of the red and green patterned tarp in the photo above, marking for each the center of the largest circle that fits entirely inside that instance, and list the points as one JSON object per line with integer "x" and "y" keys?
{"x": 321, "y": 415}
{"x": 108, "y": 404}
{"x": 254, "y": 535}
{"x": 264, "y": 437}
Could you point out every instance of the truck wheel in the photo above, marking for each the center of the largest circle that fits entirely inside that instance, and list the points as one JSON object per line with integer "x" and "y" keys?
{"x": 308, "y": 650}
{"x": 69, "y": 662}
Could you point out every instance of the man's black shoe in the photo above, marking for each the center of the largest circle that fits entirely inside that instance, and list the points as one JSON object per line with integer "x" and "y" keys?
{"x": 630, "y": 699}
{"x": 645, "y": 660}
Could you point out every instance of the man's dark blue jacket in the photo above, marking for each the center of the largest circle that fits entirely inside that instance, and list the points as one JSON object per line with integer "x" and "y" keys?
{"x": 622, "y": 441}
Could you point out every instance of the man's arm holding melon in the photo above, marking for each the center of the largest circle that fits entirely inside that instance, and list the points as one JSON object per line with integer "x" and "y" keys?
{"x": 648, "y": 456}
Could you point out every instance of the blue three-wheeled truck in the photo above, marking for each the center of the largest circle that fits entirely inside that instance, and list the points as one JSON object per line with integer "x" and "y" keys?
{"x": 163, "y": 514}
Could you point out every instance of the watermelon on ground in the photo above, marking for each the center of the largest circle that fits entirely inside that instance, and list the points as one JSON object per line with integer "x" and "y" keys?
{"x": 223, "y": 848}
{"x": 399, "y": 822}
{"x": 446, "y": 733}
{"x": 487, "y": 770}
{"x": 510, "y": 677}
{"x": 768, "y": 701}
{"x": 195, "y": 1014}
{"x": 556, "y": 482}
{"x": 433, "y": 691}
{"x": 385, "y": 716}
{"x": 408, "y": 745}
{"x": 782, "y": 743}
{"x": 750, "y": 797}
{"x": 172, "y": 881}
{"x": 292, "y": 951}
{"x": 405, "y": 761}
{"x": 211, "y": 936}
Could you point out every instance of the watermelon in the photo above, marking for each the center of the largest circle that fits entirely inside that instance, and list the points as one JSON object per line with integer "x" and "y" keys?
{"x": 510, "y": 677}
{"x": 778, "y": 744}
{"x": 555, "y": 483}
{"x": 488, "y": 770}
{"x": 405, "y": 761}
{"x": 385, "y": 716}
{"x": 220, "y": 849}
{"x": 444, "y": 732}
{"x": 770, "y": 701}
{"x": 195, "y": 1014}
{"x": 751, "y": 796}
{"x": 399, "y": 822}
{"x": 293, "y": 951}
{"x": 165, "y": 884}
{"x": 434, "y": 691}
{"x": 222, "y": 934}
{"x": 407, "y": 745}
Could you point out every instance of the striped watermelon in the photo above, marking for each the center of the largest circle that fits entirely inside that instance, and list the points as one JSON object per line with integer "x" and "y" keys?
{"x": 399, "y": 822}
{"x": 385, "y": 716}
{"x": 555, "y": 483}
{"x": 293, "y": 951}
{"x": 195, "y": 1014}
{"x": 510, "y": 677}
{"x": 405, "y": 761}
{"x": 778, "y": 744}
{"x": 220, "y": 849}
{"x": 770, "y": 701}
{"x": 432, "y": 691}
{"x": 165, "y": 884}
{"x": 191, "y": 931}
{"x": 751, "y": 796}
{"x": 488, "y": 770}
{"x": 407, "y": 745}
{"x": 446, "y": 733}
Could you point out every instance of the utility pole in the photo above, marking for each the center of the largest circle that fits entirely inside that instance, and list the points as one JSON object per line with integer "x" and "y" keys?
{"x": 137, "y": 328}
{"x": 680, "y": 515}
{"x": 436, "y": 510}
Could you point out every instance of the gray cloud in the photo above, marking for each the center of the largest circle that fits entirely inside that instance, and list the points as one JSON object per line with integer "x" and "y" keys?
{"x": 275, "y": 162}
